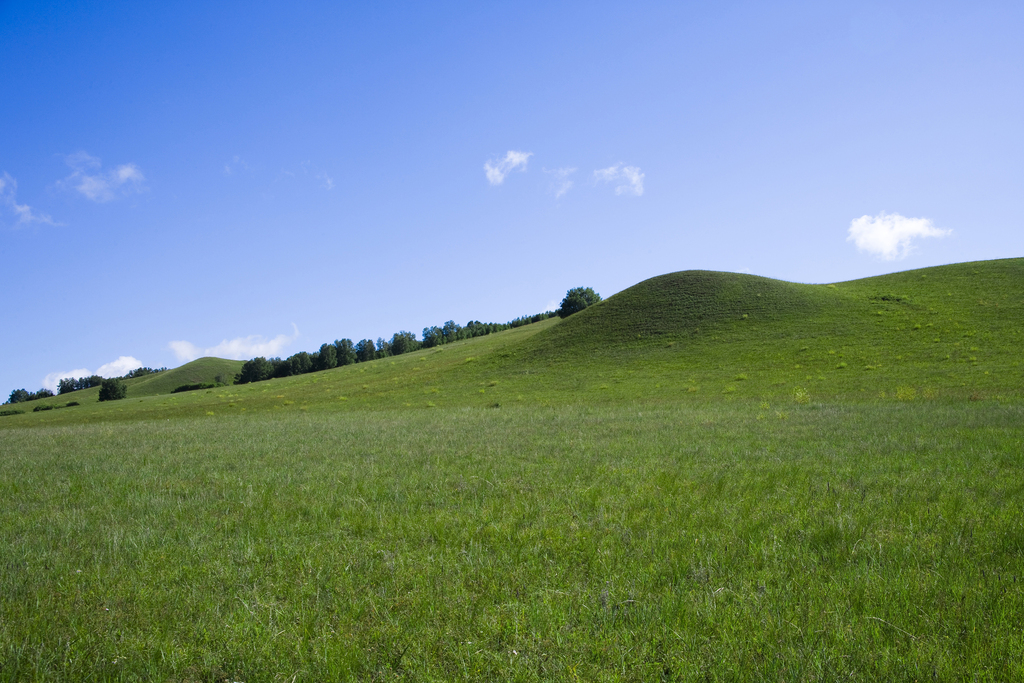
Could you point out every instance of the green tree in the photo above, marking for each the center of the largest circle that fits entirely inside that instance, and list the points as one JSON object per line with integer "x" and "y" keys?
{"x": 255, "y": 370}
{"x": 345, "y": 351}
{"x": 365, "y": 350}
{"x": 327, "y": 358}
{"x": 300, "y": 363}
{"x": 403, "y": 342}
{"x": 432, "y": 336}
{"x": 113, "y": 389}
{"x": 576, "y": 300}
{"x": 19, "y": 396}
{"x": 67, "y": 385}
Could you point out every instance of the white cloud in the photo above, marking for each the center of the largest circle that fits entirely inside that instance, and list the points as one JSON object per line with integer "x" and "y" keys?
{"x": 8, "y": 191}
{"x": 122, "y": 366}
{"x": 628, "y": 179}
{"x": 90, "y": 180}
{"x": 553, "y": 305}
{"x": 240, "y": 348}
{"x": 496, "y": 170}
{"x": 560, "y": 183}
{"x": 237, "y": 163}
{"x": 889, "y": 235}
{"x": 326, "y": 181}
{"x": 52, "y": 381}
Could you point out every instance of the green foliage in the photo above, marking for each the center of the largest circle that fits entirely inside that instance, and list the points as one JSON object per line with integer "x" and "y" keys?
{"x": 113, "y": 389}
{"x": 10, "y": 411}
{"x": 327, "y": 357}
{"x": 365, "y": 351}
{"x": 42, "y": 407}
{"x": 70, "y": 384}
{"x": 19, "y": 396}
{"x": 403, "y": 342}
{"x": 300, "y": 363}
{"x": 345, "y": 351}
{"x": 255, "y": 370}
{"x": 195, "y": 387}
{"x": 142, "y": 372}
{"x": 576, "y": 300}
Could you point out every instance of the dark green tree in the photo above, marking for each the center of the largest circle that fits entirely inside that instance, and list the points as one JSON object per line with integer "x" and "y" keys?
{"x": 300, "y": 363}
{"x": 67, "y": 385}
{"x": 403, "y": 342}
{"x": 450, "y": 331}
{"x": 345, "y": 351}
{"x": 255, "y": 370}
{"x": 576, "y": 300}
{"x": 366, "y": 350}
{"x": 327, "y": 358}
{"x": 19, "y": 396}
{"x": 432, "y": 336}
{"x": 113, "y": 389}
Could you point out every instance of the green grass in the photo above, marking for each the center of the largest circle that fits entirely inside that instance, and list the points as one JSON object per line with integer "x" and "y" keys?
{"x": 946, "y": 333}
{"x": 649, "y": 490}
{"x": 869, "y": 542}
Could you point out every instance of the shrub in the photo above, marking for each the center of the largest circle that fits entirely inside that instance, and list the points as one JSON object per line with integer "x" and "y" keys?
{"x": 71, "y": 404}
{"x": 576, "y": 300}
{"x": 10, "y": 411}
{"x": 38, "y": 408}
{"x": 255, "y": 370}
{"x": 194, "y": 387}
{"x": 113, "y": 389}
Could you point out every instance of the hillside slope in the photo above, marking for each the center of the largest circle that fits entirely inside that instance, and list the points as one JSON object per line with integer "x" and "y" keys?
{"x": 946, "y": 333}
{"x": 200, "y": 371}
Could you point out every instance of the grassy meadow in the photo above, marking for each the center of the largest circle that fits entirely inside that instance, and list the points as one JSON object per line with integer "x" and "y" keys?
{"x": 706, "y": 477}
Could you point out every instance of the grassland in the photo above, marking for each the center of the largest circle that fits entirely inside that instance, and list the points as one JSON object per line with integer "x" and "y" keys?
{"x": 575, "y": 500}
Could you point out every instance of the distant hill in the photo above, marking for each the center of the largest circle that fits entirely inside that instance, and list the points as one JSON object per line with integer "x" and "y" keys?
{"x": 200, "y": 371}
{"x": 945, "y": 333}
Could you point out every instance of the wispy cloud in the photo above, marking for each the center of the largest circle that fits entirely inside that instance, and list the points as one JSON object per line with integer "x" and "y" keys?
{"x": 24, "y": 212}
{"x": 95, "y": 184}
{"x": 239, "y": 348}
{"x": 309, "y": 172}
{"x": 560, "y": 183}
{"x": 889, "y": 235}
{"x": 116, "y": 368}
{"x": 628, "y": 179}
{"x": 236, "y": 164}
{"x": 497, "y": 169}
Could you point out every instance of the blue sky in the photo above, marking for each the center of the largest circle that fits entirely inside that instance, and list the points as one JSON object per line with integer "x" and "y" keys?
{"x": 258, "y": 178}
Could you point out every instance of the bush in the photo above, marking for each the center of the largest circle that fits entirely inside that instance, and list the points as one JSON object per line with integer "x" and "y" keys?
{"x": 113, "y": 389}
{"x": 195, "y": 387}
{"x": 38, "y": 408}
{"x": 71, "y": 404}
{"x": 576, "y": 300}
{"x": 10, "y": 411}
{"x": 255, "y": 370}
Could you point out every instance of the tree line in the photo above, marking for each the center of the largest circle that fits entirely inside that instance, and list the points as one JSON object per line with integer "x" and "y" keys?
{"x": 69, "y": 384}
{"x": 346, "y": 352}
{"x": 332, "y": 355}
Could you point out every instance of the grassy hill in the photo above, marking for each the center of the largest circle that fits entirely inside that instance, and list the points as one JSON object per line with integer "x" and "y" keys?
{"x": 200, "y": 371}
{"x": 943, "y": 333}
{"x": 709, "y": 476}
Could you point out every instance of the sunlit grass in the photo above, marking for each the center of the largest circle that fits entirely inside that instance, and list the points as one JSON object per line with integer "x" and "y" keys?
{"x": 632, "y": 542}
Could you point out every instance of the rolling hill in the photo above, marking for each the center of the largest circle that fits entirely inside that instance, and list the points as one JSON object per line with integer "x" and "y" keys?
{"x": 943, "y": 333}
